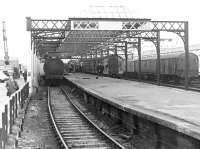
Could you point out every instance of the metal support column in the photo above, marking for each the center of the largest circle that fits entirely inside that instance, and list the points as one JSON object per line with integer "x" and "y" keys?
{"x": 32, "y": 66}
{"x": 158, "y": 58}
{"x": 186, "y": 45}
{"x": 101, "y": 54}
{"x": 86, "y": 56}
{"x": 107, "y": 52}
{"x": 115, "y": 49}
{"x": 126, "y": 57}
{"x": 91, "y": 55}
{"x": 139, "y": 58}
{"x": 96, "y": 54}
{"x": 96, "y": 58}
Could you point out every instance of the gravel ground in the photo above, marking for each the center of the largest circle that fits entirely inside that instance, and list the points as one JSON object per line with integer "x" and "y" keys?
{"x": 37, "y": 131}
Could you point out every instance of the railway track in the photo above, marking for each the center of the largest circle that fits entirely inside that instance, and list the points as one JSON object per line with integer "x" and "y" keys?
{"x": 74, "y": 129}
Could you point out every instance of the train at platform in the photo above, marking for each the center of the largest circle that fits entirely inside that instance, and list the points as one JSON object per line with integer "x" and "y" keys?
{"x": 114, "y": 65}
{"x": 53, "y": 71}
{"x": 172, "y": 67}
{"x": 73, "y": 66}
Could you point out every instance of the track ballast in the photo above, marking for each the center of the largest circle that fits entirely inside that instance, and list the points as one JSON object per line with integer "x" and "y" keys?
{"x": 74, "y": 129}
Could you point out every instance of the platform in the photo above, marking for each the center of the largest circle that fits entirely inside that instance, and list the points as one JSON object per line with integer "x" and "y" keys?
{"x": 177, "y": 109}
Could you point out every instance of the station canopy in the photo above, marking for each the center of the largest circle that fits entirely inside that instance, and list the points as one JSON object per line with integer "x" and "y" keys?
{"x": 102, "y": 30}
{"x": 97, "y": 28}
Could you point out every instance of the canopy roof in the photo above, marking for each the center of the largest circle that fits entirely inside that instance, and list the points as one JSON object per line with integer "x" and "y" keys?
{"x": 97, "y": 25}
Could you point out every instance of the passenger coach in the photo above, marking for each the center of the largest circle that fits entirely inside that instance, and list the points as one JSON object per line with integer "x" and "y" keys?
{"x": 172, "y": 67}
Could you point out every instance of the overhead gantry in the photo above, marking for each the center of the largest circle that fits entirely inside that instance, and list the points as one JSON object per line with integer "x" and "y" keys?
{"x": 90, "y": 37}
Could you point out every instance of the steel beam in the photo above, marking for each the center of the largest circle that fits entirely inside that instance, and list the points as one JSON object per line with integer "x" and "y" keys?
{"x": 49, "y": 25}
{"x": 56, "y": 30}
{"x": 115, "y": 52}
{"x": 158, "y": 57}
{"x": 126, "y": 57}
{"x": 107, "y": 51}
{"x": 186, "y": 46}
{"x": 139, "y": 58}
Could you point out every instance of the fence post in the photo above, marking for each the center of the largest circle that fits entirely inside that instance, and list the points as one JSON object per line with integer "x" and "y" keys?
{"x": 16, "y": 108}
{"x": 11, "y": 116}
{"x": 6, "y": 121}
{"x": 3, "y": 130}
{"x": 1, "y": 138}
{"x": 13, "y": 113}
{"x": 19, "y": 99}
{"x": 27, "y": 90}
{"x": 22, "y": 97}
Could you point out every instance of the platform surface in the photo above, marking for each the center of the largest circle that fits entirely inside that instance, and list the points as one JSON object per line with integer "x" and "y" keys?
{"x": 177, "y": 109}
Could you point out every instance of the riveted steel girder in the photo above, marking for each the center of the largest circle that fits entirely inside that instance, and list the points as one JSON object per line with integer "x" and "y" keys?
{"x": 82, "y": 36}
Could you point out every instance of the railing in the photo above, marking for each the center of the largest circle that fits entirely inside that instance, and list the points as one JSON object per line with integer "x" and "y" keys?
{"x": 11, "y": 111}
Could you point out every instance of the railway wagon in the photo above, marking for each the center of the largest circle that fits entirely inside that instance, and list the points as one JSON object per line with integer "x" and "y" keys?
{"x": 130, "y": 66}
{"x": 113, "y": 65}
{"x": 172, "y": 67}
{"x": 73, "y": 66}
{"x": 53, "y": 70}
{"x": 89, "y": 66}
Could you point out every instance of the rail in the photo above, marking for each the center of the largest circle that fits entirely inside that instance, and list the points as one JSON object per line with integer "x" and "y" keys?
{"x": 92, "y": 123}
{"x": 17, "y": 102}
{"x": 61, "y": 139}
{"x": 54, "y": 123}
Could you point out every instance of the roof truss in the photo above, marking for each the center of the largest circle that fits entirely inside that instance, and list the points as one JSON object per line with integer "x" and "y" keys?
{"x": 93, "y": 37}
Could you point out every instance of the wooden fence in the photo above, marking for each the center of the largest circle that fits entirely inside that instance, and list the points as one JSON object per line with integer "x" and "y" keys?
{"x": 17, "y": 102}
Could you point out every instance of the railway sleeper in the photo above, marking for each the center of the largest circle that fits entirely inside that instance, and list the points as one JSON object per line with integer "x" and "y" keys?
{"x": 90, "y": 145}
{"x": 80, "y": 137}
{"x": 86, "y": 141}
{"x": 82, "y": 134}
{"x": 75, "y": 131}
{"x": 111, "y": 126}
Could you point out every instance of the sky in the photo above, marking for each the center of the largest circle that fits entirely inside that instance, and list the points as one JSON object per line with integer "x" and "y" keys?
{"x": 14, "y": 13}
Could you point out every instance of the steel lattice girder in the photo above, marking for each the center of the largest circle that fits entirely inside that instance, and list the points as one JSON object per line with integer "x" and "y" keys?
{"x": 80, "y": 35}
{"x": 84, "y": 40}
{"x": 48, "y": 25}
